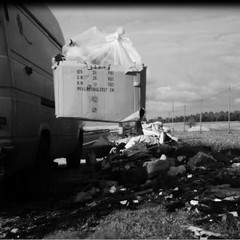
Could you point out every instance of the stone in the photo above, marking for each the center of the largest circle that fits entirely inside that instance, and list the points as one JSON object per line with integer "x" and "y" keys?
{"x": 155, "y": 167}
{"x": 201, "y": 159}
{"x": 176, "y": 170}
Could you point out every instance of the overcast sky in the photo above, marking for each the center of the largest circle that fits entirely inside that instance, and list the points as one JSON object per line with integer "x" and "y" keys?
{"x": 191, "y": 52}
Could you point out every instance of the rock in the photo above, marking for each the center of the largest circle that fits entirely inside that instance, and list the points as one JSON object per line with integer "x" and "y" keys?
{"x": 230, "y": 176}
{"x": 154, "y": 168}
{"x": 224, "y": 191}
{"x": 178, "y": 170}
{"x": 201, "y": 159}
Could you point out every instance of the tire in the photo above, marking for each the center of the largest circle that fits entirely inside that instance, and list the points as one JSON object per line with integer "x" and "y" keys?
{"x": 73, "y": 160}
{"x": 38, "y": 187}
{"x": 31, "y": 182}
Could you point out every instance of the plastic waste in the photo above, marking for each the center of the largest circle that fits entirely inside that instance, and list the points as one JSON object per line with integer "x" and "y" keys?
{"x": 95, "y": 47}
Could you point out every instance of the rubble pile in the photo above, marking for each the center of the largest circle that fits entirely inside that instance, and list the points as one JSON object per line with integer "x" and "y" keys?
{"x": 172, "y": 174}
{"x": 201, "y": 181}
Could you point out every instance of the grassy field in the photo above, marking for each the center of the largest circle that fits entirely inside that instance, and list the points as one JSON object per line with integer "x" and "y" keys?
{"x": 218, "y": 137}
{"x": 213, "y": 126}
{"x": 217, "y": 140}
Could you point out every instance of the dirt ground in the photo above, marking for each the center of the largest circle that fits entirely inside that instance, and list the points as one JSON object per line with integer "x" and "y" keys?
{"x": 35, "y": 218}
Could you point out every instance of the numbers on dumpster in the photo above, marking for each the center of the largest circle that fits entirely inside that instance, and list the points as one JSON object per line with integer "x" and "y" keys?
{"x": 111, "y": 81}
{"x": 99, "y": 80}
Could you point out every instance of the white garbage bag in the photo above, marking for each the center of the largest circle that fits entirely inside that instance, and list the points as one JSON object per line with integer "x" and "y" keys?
{"x": 147, "y": 140}
{"x": 95, "y": 47}
{"x": 153, "y": 129}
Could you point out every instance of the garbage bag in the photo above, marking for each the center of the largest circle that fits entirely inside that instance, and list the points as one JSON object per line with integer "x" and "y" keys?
{"x": 94, "y": 47}
{"x": 142, "y": 139}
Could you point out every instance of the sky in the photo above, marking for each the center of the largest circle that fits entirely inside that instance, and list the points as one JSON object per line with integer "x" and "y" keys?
{"x": 191, "y": 52}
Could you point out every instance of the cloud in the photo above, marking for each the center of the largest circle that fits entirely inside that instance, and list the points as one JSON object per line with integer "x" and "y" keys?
{"x": 190, "y": 52}
{"x": 237, "y": 101}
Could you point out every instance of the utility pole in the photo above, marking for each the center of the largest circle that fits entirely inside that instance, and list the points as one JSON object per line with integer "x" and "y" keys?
{"x": 229, "y": 109}
{"x": 201, "y": 117}
{"x": 184, "y": 118}
{"x": 172, "y": 115}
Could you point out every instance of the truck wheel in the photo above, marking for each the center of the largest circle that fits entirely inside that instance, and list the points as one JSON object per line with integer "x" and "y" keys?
{"x": 38, "y": 187}
{"x": 73, "y": 160}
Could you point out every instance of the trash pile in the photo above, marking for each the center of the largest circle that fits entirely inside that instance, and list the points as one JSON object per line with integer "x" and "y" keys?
{"x": 171, "y": 173}
{"x": 136, "y": 172}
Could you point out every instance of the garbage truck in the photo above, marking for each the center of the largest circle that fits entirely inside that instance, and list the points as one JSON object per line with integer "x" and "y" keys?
{"x": 30, "y": 132}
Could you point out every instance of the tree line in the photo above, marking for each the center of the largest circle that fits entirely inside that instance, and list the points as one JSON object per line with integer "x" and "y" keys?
{"x": 206, "y": 117}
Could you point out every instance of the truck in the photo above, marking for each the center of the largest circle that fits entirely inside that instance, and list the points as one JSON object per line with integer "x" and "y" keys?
{"x": 30, "y": 133}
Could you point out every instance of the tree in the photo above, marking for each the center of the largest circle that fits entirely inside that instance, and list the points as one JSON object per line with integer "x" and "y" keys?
{"x": 191, "y": 122}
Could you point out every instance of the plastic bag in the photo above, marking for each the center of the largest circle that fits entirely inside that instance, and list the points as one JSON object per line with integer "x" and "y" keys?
{"x": 94, "y": 47}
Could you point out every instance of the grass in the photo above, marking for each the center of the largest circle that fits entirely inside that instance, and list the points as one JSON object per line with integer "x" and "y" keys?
{"x": 147, "y": 223}
{"x": 219, "y": 126}
{"x": 216, "y": 140}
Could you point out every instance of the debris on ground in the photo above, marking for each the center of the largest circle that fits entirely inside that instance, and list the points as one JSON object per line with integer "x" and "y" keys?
{"x": 171, "y": 174}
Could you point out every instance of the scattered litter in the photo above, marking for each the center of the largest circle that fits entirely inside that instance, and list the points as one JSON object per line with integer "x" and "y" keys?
{"x": 193, "y": 202}
{"x": 169, "y": 197}
{"x": 163, "y": 157}
{"x": 198, "y": 232}
{"x": 14, "y": 230}
{"x": 236, "y": 165}
{"x": 113, "y": 189}
{"x": 93, "y": 204}
{"x": 235, "y": 214}
{"x": 124, "y": 202}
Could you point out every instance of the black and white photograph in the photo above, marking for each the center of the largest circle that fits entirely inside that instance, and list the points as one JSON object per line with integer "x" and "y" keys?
{"x": 119, "y": 120}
